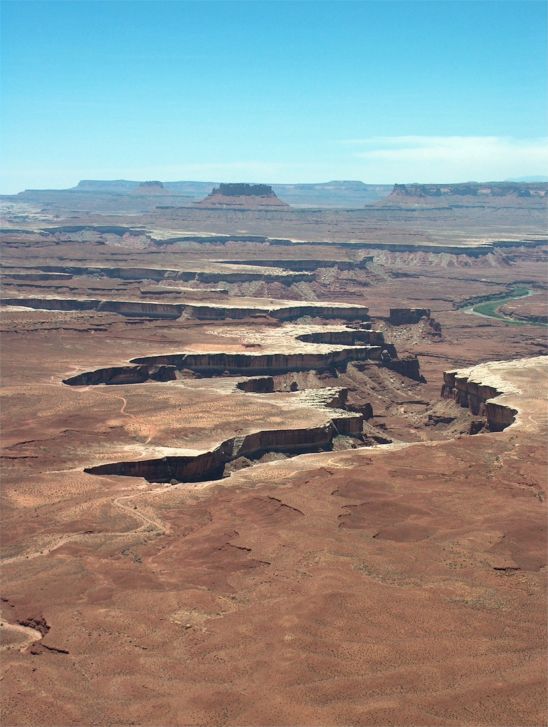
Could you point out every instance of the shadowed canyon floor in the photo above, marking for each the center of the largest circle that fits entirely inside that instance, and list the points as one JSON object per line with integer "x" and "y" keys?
{"x": 232, "y": 497}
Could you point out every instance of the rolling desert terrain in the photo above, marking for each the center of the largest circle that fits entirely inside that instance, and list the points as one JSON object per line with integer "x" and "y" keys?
{"x": 274, "y": 460}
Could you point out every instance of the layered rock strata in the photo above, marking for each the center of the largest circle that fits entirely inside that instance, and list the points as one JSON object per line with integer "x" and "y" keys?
{"x": 405, "y": 316}
{"x": 233, "y": 273}
{"x": 268, "y": 363}
{"x": 181, "y": 466}
{"x": 257, "y": 385}
{"x": 154, "y": 309}
{"x": 468, "y": 388}
{"x": 35, "y": 276}
{"x": 344, "y": 338}
{"x": 408, "y": 366}
{"x": 483, "y": 190}
{"x": 323, "y": 351}
{"x": 242, "y": 196}
{"x": 215, "y": 364}
{"x": 304, "y": 265}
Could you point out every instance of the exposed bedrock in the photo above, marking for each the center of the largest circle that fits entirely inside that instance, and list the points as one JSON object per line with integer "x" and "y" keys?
{"x": 212, "y": 364}
{"x": 130, "y": 273}
{"x": 404, "y": 316}
{"x": 130, "y": 308}
{"x": 344, "y": 338}
{"x": 34, "y": 276}
{"x": 163, "y": 367}
{"x": 211, "y": 465}
{"x": 173, "y": 291}
{"x": 366, "y": 410}
{"x": 480, "y": 190}
{"x": 151, "y": 309}
{"x": 158, "y": 274}
{"x": 101, "y": 229}
{"x": 300, "y": 265}
{"x": 353, "y": 345}
{"x": 408, "y": 366}
{"x": 244, "y": 276}
{"x": 125, "y": 308}
{"x": 283, "y": 313}
{"x": 243, "y": 196}
{"x": 52, "y": 303}
{"x": 479, "y": 399}
{"x": 118, "y": 375}
{"x": 269, "y": 384}
{"x": 258, "y": 385}
{"x": 238, "y": 189}
{"x": 481, "y": 249}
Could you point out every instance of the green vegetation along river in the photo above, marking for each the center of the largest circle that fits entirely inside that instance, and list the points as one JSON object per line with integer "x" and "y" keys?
{"x": 489, "y": 306}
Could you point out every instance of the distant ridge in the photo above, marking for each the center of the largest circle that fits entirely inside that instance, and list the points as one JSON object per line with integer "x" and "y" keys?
{"x": 477, "y": 190}
{"x": 125, "y": 186}
{"x": 131, "y": 195}
{"x": 335, "y": 193}
{"x": 539, "y": 178}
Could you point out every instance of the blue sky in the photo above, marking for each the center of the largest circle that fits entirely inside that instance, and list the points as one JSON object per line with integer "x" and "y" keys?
{"x": 274, "y": 91}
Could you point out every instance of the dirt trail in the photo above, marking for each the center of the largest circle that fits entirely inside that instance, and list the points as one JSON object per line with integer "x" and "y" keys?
{"x": 107, "y": 391}
{"x": 29, "y": 635}
{"x": 48, "y": 545}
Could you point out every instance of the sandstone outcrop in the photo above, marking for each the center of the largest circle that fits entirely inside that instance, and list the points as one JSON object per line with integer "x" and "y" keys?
{"x": 300, "y": 265}
{"x": 281, "y": 313}
{"x": 257, "y": 385}
{"x": 34, "y": 276}
{"x": 127, "y": 308}
{"x": 153, "y": 309}
{"x": 404, "y": 316}
{"x": 121, "y": 375}
{"x": 211, "y": 465}
{"x": 478, "y": 190}
{"x": 331, "y": 350}
{"x": 355, "y": 337}
{"x": 466, "y": 387}
{"x": 242, "y": 196}
{"x": 229, "y": 272}
{"x": 406, "y": 366}
{"x": 212, "y": 364}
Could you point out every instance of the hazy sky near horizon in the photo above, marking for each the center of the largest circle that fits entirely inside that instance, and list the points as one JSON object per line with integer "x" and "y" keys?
{"x": 281, "y": 91}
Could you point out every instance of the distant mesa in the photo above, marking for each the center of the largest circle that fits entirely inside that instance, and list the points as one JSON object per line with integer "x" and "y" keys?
{"x": 152, "y": 187}
{"x": 478, "y": 190}
{"x": 242, "y": 196}
{"x": 336, "y": 193}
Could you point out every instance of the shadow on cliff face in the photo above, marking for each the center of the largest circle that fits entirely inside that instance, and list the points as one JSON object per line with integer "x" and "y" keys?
{"x": 353, "y": 423}
{"x": 237, "y": 453}
{"x": 164, "y": 368}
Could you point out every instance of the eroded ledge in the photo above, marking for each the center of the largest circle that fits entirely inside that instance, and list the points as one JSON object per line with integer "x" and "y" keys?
{"x": 180, "y": 466}
{"x": 164, "y": 367}
{"x": 476, "y": 388}
{"x": 282, "y": 311}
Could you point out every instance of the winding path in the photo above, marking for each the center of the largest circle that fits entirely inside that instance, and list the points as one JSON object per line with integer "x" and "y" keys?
{"x": 30, "y": 636}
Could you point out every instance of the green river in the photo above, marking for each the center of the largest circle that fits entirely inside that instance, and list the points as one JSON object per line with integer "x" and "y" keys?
{"x": 489, "y": 308}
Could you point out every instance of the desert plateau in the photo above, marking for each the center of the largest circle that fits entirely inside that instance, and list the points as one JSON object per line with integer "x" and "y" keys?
{"x": 273, "y": 465}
